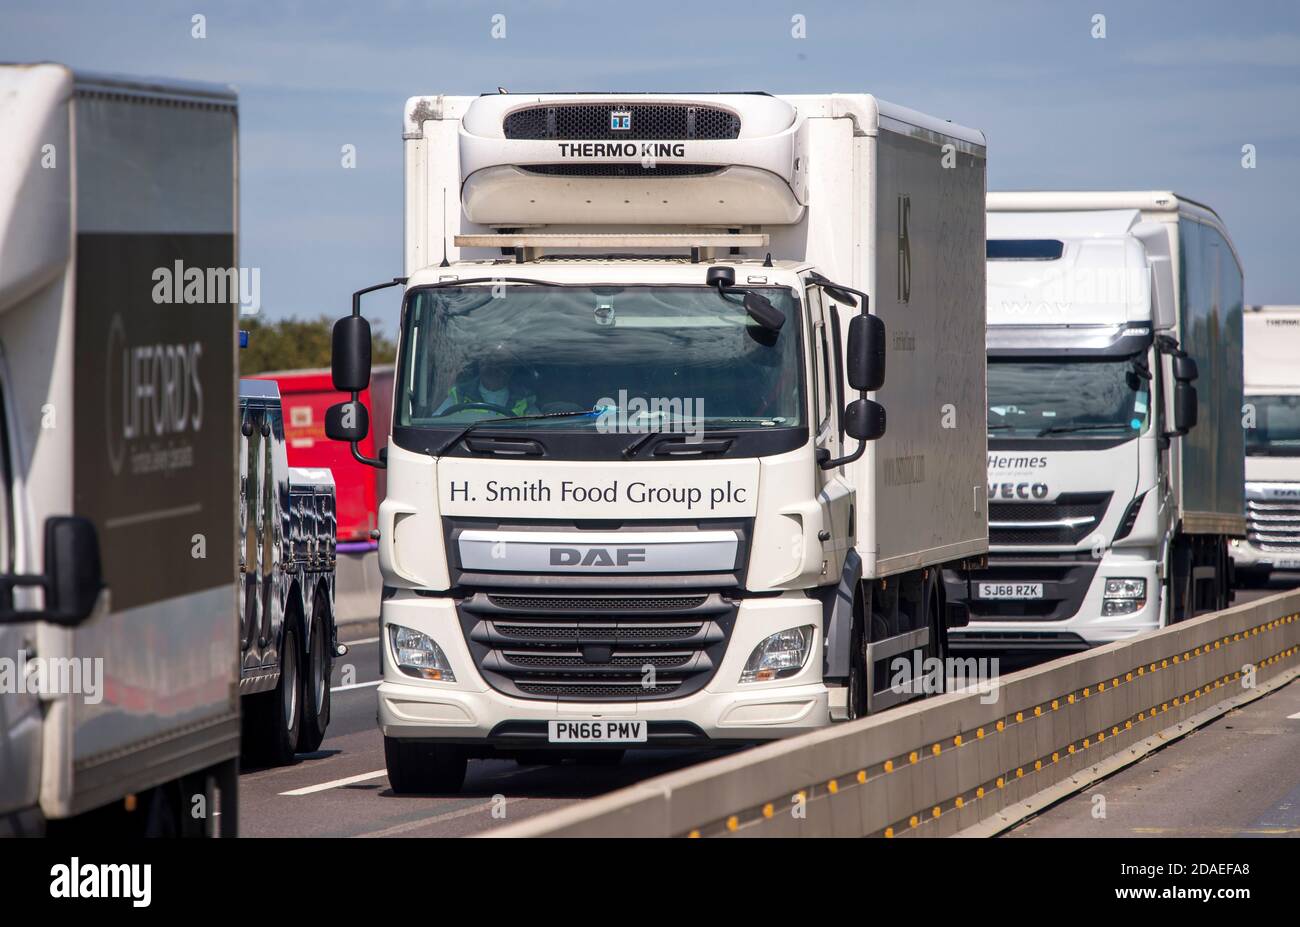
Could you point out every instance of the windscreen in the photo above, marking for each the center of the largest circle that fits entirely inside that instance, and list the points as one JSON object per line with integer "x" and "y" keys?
{"x": 648, "y": 355}
{"x": 1273, "y": 426}
{"x": 1075, "y": 397}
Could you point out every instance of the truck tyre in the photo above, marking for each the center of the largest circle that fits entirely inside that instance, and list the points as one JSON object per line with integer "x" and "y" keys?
{"x": 316, "y": 684}
{"x": 932, "y": 603}
{"x": 277, "y": 715}
{"x": 424, "y": 769}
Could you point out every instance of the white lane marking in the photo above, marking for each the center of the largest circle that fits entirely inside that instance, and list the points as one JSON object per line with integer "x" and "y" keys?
{"x": 1294, "y": 717}
{"x": 437, "y": 818}
{"x": 335, "y": 783}
{"x": 357, "y": 685}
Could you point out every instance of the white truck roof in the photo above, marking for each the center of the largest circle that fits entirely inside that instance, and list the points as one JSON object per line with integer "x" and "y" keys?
{"x": 1101, "y": 277}
{"x": 1271, "y": 340}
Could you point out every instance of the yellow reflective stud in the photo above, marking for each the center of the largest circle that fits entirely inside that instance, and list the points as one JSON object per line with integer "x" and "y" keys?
{"x": 862, "y": 777}
{"x": 889, "y": 766}
{"x": 956, "y": 741}
{"x": 889, "y": 832}
{"x": 833, "y": 786}
{"x": 913, "y": 757}
{"x": 768, "y": 810}
{"x": 733, "y": 823}
{"x": 936, "y": 749}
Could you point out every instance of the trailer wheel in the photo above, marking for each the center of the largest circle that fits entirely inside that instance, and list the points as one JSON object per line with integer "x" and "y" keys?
{"x": 932, "y": 603}
{"x": 316, "y": 684}
{"x": 277, "y": 715}
{"x": 424, "y": 769}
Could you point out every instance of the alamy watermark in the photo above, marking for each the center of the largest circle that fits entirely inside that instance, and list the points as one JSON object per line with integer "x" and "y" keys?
{"x": 634, "y": 415}
{"x": 216, "y": 286}
{"x": 46, "y": 676}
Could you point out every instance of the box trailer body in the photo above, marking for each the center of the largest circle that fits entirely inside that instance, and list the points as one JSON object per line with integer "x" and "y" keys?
{"x": 287, "y": 554}
{"x": 600, "y": 571}
{"x": 118, "y": 399}
{"x": 1107, "y": 516}
{"x": 1271, "y": 418}
{"x": 305, "y": 395}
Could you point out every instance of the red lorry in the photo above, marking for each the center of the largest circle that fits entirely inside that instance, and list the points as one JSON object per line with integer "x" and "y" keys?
{"x": 305, "y": 395}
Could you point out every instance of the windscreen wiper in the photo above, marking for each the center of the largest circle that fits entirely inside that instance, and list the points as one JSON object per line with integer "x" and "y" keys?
{"x": 1087, "y": 426}
{"x": 460, "y": 435}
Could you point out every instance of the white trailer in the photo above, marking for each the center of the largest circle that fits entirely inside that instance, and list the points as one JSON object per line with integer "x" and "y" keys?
{"x": 119, "y": 704}
{"x": 1272, "y": 422}
{"x": 640, "y": 487}
{"x": 1114, "y": 394}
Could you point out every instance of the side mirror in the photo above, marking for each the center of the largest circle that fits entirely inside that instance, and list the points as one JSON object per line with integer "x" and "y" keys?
{"x": 762, "y": 311}
{"x": 1184, "y": 407}
{"x": 73, "y": 576}
{"x": 1185, "y": 370}
{"x": 347, "y": 421}
{"x": 350, "y": 354}
{"x": 864, "y": 420}
{"x": 866, "y": 352}
{"x": 72, "y": 567}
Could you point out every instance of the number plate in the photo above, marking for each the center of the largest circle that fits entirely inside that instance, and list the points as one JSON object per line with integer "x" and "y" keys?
{"x": 1010, "y": 590}
{"x": 596, "y": 732}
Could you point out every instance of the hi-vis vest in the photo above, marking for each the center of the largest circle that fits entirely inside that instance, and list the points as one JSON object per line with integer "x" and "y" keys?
{"x": 458, "y": 395}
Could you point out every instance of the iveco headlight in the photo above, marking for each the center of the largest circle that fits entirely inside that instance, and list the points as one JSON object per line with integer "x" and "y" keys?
{"x": 417, "y": 655}
{"x": 1123, "y": 596}
{"x": 783, "y": 654}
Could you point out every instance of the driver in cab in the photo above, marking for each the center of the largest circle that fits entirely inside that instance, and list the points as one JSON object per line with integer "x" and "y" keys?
{"x": 492, "y": 392}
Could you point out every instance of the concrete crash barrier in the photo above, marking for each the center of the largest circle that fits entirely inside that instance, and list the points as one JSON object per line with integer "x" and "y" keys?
{"x": 969, "y": 763}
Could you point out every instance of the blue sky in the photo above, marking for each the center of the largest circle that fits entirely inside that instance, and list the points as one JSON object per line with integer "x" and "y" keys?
{"x": 1166, "y": 100}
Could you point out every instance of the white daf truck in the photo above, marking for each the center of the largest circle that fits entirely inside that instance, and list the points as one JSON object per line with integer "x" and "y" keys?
{"x": 641, "y": 490}
{"x": 119, "y": 698}
{"x": 1114, "y": 406}
{"x": 1271, "y": 418}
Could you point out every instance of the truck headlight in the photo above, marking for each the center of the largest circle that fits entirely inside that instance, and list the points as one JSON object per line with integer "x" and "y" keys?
{"x": 782, "y": 654}
{"x": 1123, "y": 596}
{"x": 417, "y": 655}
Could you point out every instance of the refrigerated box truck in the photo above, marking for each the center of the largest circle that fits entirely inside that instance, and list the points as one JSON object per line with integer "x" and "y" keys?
{"x": 1114, "y": 419}
{"x": 1271, "y": 418}
{"x": 641, "y": 488}
{"x": 120, "y": 704}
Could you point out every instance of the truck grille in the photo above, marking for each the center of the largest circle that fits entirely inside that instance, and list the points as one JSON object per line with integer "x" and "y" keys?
{"x": 1273, "y": 526}
{"x": 587, "y": 647}
{"x": 1066, "y": 521}
{"x": 1065, "y": 578}
{"x": 659, "y": 121}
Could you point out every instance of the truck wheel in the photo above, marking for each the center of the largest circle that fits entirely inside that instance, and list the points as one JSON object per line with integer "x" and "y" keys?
{"x": 316, "y": 686}
{"x": 932, "y": 602}
{"x": 424, "y": 769}
{"x": 277, "y": 715}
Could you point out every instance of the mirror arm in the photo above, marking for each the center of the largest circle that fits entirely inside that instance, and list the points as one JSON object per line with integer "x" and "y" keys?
{"x": 826, "y": 462}
{"x": 377, "y": 462}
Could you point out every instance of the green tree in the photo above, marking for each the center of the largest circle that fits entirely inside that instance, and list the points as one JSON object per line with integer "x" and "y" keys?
{"x": 298, "y": 344}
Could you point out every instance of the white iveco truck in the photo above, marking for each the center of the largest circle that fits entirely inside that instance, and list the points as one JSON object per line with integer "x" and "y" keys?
{"x": 1114, "y": 395}
{"x": 119, "y": 698}
{"x": 640, "y": 485}
{"x": 1271, "y": 418}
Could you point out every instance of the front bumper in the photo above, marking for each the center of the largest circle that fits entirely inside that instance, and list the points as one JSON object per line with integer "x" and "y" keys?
{"x": 470, "y": 711}
{"x": 1247, "y": 557}
{"x": 1074, "y": 622}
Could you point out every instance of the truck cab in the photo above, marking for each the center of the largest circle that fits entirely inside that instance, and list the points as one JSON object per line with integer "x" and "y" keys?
{"x": 1113, "y": 399}
{"x": 640, "y": 487}
{"x": 1271, "y": 418}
